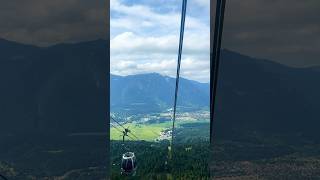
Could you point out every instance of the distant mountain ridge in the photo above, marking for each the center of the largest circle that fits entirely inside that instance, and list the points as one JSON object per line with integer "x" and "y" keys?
{"x": 59, "y": 88}
{"x": 256, "y": 95}
{"x": 62, "y": 89}
{"x": 155, "y": 92}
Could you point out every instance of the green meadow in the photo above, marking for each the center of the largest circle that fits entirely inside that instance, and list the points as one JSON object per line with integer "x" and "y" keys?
{"x": 147, "y": 132}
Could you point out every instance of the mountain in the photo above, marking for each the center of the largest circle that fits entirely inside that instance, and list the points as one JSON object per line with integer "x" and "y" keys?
{"x": 59, "y": 88}
{"x": 257, "y": 95}
{"x": 62, "y": 88}
{"x": 154, "y": 92}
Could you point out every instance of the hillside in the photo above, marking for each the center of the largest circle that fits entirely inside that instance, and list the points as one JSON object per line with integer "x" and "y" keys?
{"x": 256, "y": 95}
{"x": 155, "y": 92}
{"x": 62, "y": 88}
{"x": 53, "y": 89}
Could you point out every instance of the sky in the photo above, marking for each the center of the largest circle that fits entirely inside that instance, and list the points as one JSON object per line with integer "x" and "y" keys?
{"x": 145, "y": 38}
{"x": 284, "y": 31}
{"x": 49, "y": 22}
{"x": 144, "y": 33}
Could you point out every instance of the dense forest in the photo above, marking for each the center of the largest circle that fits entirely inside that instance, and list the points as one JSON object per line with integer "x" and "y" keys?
{"x": 50, "y": 156}
{"x": 187, "y": 162}
{"x": 255, "y": 156}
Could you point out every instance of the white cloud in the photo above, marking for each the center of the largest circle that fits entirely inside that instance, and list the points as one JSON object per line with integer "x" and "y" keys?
{"x": 145, "y": 40}
{"x": 129, "y": 42}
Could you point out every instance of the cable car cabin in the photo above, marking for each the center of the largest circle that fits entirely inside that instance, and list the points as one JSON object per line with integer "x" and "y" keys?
{"x": 128, "y": 164}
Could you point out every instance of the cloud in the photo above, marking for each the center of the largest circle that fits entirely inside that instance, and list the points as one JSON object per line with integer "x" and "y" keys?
{"x": 46, "y": 22}
{"x": 145, "y": 39}
{"x": 286, "y": 31}
{"x": 137, "y": 18}
{"x": 165, "y": 67}
{"x": 129, "y": 42}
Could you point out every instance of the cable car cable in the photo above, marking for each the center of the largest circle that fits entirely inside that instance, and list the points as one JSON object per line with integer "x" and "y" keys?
{"x": 116, "y": 127}
{"x": 131, "y": 137}
{"x": 215, "y": 59}
{"x": 183, "y": 14}
{"x": 128, "y": 163}
{"x": 154, "y": 132}
{"x": 3, "y": 177}
{"x": 118, "y": 123}
{"x": 134, "y": 136}
{"x": 121, "y": 131}
{"x": 124, "y": 129}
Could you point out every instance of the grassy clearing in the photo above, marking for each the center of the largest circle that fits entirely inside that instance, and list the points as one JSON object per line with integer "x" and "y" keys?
{"x": 147, "y": 132}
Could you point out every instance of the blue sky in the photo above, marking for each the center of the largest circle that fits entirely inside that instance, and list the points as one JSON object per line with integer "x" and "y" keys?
{"x": 145, "y": 35}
